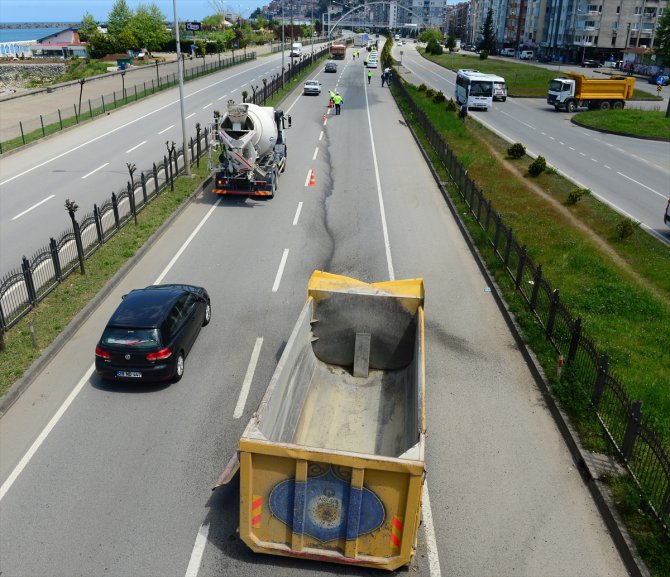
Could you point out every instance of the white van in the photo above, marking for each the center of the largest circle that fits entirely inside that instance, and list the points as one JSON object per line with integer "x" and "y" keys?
{"x": 508, "y": 52}
{"x": 296, "y": 49}
{"x": 499, "y": 87}
{"x": 527, "y": 55}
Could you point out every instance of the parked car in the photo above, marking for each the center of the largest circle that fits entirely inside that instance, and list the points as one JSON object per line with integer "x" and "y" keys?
{"x": 508, "y": 52}
{"x": 590, "y": 64}
{"x": 330, "y": 67}
{"x": 544, "y": 58}
{"x": 527, "y": 55}
{"x": 151, "y": 332}
{"x": 662, "y": 79}
{"x": 312, "y": 87}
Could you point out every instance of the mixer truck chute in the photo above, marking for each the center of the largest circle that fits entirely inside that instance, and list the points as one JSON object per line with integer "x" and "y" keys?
{"x": 253, "y": 150}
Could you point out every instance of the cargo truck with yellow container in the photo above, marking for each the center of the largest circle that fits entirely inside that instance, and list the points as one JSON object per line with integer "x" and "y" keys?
{"x": 577, "y": 91}
{"x": 332, "y": 463}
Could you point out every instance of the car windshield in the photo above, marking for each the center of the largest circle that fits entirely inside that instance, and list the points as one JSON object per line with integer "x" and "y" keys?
{"x": 135, "y": 338}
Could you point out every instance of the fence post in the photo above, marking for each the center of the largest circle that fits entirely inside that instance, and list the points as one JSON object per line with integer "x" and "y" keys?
{"x": 55, "y": 258}
{"x": 480, "y": 195}
{"x": 143, "y": 180}
{"x": 131, "y": 199}
{"x": 115, "y": 209}
{"x": 190, "y": 145}
{"x": 574, "y": 342}
{"x": 60, "y": 119}
{"x": 90, "y": 109}
{"x": 23, "y": 136}
{"x": 536, "y": 287}
{"x": 76, "y": 114}
{"x": 28, "y": 277}
{"x": 103, "y": 104}
{"x": 155, "y": 170}
{"x": 553, "y": 307}
{"x": 488, "y": 214}
{"x": 600, "y": 380}
{"x": 98, "y": 223}
{"x": 197, "y": 144}
{"x": 80, "y": 246}
{"x": 42, "y": 123}
{"x": 496, "y": 236}
{"x": 508, "y": 247}
{"x": 632, "y": 427}
{"x": 519, "y": 268}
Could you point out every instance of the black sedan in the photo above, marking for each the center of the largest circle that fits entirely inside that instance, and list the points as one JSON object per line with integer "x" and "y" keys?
{"x": 331, "y": 67}
{"x": 590, "y": 64}
{"x": 151, "y": 333}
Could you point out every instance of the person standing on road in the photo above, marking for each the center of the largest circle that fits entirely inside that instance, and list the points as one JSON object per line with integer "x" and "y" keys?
{"x": 331, "y": 95}
{"x": 369, "y": 75}
{"x": 383, "y": 78}
{"x": 337, "y": 100}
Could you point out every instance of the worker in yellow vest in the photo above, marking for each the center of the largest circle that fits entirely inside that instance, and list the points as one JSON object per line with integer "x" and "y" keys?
{"x": 337, "y": 100}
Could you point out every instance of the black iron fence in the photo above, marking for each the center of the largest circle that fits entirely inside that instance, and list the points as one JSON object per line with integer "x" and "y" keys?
{"x": 638, "y": 445}
{"x": 87, "y": 108}
{"x": 25, "y": 286}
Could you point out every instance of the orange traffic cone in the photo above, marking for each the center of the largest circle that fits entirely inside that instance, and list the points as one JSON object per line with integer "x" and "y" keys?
{"x": 312, "y": 180}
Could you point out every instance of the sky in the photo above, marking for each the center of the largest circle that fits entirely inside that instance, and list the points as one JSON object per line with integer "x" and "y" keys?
{"x": 74, "y": 10}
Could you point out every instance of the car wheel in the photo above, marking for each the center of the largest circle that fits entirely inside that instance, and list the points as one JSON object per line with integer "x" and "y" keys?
{"x": 179, "y": 367}
{"x": 208, "y": 315}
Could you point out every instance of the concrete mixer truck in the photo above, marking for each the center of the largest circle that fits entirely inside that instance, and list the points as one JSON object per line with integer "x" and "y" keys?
{"x": 252, "y": 150}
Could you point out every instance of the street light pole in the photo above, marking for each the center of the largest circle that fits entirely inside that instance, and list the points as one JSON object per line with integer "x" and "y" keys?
{"x": 180, "y": 68}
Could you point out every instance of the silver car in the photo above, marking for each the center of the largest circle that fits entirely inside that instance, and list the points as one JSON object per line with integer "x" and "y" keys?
{"x": 312, "y": 87}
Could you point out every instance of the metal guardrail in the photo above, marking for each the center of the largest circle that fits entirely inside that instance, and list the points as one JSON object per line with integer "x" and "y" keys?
{"x": 640, "y": 448}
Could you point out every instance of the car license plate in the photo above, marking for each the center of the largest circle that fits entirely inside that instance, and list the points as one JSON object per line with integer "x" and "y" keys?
{"x": 129, "y": 374}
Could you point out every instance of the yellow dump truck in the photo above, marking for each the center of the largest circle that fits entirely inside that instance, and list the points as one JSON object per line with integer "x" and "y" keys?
{"x": 332, "y": 463}
{"x": 578, "y": 91}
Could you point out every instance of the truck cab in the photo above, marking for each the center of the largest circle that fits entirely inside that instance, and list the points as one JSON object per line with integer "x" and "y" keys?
{"x": 560, "y": 90}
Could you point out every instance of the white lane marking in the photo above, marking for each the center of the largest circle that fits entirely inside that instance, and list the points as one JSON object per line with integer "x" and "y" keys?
{"x": 222, "y": 97}
{"x": 582, "y": 154}
{"x": 166, "y": 129}
{"x": 431, "y": 541}
{"x": 190, "y": 115}
{"x": 561, "y": 143}
{"x": 246, "y": 384}
{"x": 280, "y": 271}
{"x": 33, "y": 206}
{"x": 607, "y": 167}
{"x": 207, "y": 105}
{"x": 316, "y": 151}
{"x": 93, "y": 171}
{"x": 570, "y": 147}
{"x": 122, "y": 126}
{"x": 61, "y": 411}
{"x": 593, "y": 160}
{"x": 187, "y": 242}
{"x": 309, "y": 176}
{"x": 45, "y": 432}
{"x": 551, "y": 138}
{"x": 543, "y": 133}
{"x": 297, "y": 214}
{"x": 234, "y": 90}
{"x": 387, "y": 245}
{"x": 198, "y": 551}
{"x": 320, "y": 136}
{"x": 642, "y": 185}
{"x": 136, "y": 146}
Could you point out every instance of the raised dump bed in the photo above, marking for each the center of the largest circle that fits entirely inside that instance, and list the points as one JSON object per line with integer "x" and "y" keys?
{"x": 332, "y": 463}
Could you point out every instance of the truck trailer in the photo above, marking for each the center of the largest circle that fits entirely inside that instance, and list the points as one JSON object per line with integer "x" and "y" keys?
{"x": 577, "y": 91}
{"x": 253, "y": 150}
{"x": 332, "y": 462}
{"x": 338, "y": 51}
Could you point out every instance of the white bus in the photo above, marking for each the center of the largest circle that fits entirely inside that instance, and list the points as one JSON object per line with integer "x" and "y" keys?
{"x": 474, "y": 88}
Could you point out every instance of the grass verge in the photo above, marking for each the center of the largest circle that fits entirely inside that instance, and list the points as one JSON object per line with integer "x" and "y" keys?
{"x": 643, "y": 123}
{"x": 615, "y": 286}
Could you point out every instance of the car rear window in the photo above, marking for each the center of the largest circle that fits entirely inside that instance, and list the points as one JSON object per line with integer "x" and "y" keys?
{"x": 135, "y": 338}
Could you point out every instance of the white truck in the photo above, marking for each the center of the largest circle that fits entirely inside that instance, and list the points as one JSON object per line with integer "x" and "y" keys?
{"x": 253, "y": 150}
{"x": 296, "y": 50}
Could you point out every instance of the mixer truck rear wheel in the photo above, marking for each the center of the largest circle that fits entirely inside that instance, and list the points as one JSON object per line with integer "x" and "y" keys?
{"x": 605, "y": 105}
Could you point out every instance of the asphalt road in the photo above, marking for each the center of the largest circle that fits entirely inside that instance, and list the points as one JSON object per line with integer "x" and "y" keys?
{"x": 89, "y": 163}
{"x": 115, "y": 480}
{"x": 631, "y": 175}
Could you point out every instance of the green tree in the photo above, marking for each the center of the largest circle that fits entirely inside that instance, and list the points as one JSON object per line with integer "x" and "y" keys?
{"x": 87, "y": 28}
{"x": 431, "y": 34}
{"x": 126, "y": 41}
{"x": 662, "y": 40}
{"x": 451, "y": 41}
{"x": 488, "y": 42}
{"x": 119, "y": 17}
{"x": 100, "y": 45}
{"x": 148, "y": 27}
{"x": 213, "y": 22}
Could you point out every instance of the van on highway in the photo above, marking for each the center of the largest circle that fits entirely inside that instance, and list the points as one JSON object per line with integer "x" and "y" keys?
{"x": 499, "y": 87}
{"x": 296, "y": 49}
{"x": 527, "y": 55}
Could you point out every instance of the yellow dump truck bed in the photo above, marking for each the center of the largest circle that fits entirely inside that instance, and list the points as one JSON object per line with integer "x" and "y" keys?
{"x": 612, "y": 88}
{"x": 332, "y": 463}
